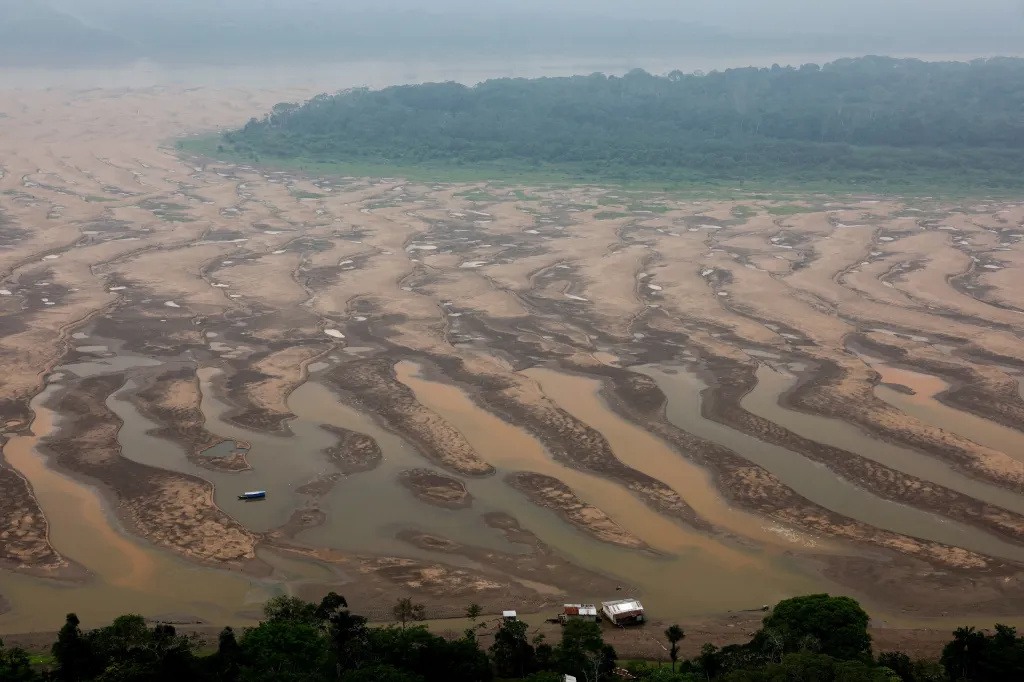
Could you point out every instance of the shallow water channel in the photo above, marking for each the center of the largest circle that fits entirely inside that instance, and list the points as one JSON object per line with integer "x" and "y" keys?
{"x": 126, "y": 575}
{"x": 812, "y": 480}
{"x": 695, "y": 573}
{"x": 764, "y": 402}
{"x": 689, "y": 573}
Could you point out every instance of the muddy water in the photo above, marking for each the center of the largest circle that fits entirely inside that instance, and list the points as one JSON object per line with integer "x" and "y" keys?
{"x": 367, "y": 509}
{"x": 635, "y": 447}
{"x": 815, "y": 481}
{"x": 127, "y": 577}
{"x": 279, "y": 465}
{"x": 764, "y": 401}
{"x": 695, "y": 573}
{"x": 925, "y": 407}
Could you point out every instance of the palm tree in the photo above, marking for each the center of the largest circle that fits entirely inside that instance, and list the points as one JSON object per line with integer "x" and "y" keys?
{"x": 674, "y": 635}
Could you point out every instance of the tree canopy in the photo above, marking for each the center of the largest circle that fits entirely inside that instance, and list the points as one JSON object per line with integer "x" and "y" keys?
{"x": 866, "y": 120}
{"x": 816, "y": 638}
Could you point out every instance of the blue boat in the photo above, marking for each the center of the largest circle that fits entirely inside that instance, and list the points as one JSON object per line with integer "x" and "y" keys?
{"x": 254, "y": 495}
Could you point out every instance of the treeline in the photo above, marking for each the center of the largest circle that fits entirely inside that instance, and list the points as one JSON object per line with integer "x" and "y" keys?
{"x": 815, "y": 638}
{"x": 867, "y": 120}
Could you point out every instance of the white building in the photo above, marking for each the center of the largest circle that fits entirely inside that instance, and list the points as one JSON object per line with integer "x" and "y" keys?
{"x": 623, "y": 611}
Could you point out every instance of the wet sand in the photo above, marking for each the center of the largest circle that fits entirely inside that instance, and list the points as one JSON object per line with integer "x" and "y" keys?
{"x": 411, "y": 319}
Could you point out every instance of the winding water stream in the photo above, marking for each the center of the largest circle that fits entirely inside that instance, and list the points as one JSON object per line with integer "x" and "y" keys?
{"x": 812, "y": 480}
{"x": 127, "y": 575}
{"x": 696, "y": 573}
{"x": 764, "y": 402}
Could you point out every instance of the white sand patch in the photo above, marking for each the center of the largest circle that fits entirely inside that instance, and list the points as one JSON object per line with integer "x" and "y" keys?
{"x": 421, "y": 247}
{"x": 5, "y": 292}
{"x": 993, "y": 267}
{"x": 654, "y": 287}
{"x": 576, "y": 298}
{"x": 52, "y": 256}
{"x": 474, "y": 264}
{"x": 171, "y": 304}
{"x": 723, "y": 293}
{"x": 531, "y": 232}
{"x": 359, "y": 318}
{"x": 212, "y": 335}
{"x": 711, "y": 227}
{"x": 277, "y": 253}
{"x": 334, "y": 333}
{"x": 346, "y": 262}
{"x": 886, "y": 239}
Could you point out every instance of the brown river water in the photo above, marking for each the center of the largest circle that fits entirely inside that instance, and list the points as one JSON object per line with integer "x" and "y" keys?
{"x": 692, "y": 573}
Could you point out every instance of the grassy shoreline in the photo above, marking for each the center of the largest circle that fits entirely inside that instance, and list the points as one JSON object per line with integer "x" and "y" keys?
{"x": 210, "y": 146}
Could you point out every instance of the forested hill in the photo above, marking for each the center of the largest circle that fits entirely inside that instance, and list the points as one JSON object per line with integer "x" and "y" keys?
{"x": 872, "y": 120}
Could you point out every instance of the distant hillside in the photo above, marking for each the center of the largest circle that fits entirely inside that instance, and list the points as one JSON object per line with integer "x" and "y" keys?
{"x": 873, "y": 120}
{"x": 33, "y": 34}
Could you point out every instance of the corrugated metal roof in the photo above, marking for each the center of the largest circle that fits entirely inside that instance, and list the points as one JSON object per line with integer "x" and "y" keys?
{"x": 580, "y": 610}
{"x": 622, "y": 606}
{"x": 508, "y": 614}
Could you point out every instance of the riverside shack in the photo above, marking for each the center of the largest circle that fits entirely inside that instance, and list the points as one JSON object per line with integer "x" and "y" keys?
{"x": 578, "y": 612}
{"x": 623, "y": 611}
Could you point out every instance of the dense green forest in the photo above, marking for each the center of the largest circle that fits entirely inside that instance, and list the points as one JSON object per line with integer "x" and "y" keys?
{"x": 816, "y": 638}
{"x": 870, "y": 121}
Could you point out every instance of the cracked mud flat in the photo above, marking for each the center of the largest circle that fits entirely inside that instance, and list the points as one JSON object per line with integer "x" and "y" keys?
{"x": 475, "y": 392}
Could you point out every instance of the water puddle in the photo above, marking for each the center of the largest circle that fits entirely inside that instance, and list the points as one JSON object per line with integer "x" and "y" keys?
{"x": 128, "y": 577}
{"x": 224, "y": 449}
{"x": 812, "y": 480}
{"x": 923, "y": 406}
{"x": 696, "y": 573}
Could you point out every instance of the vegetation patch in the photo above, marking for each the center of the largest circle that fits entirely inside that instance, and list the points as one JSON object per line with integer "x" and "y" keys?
{"x": 816, "y": 638}
{"x": 873, "y": 123}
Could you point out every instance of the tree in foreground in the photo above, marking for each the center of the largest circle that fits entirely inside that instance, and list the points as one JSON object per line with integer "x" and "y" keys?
{"x": 511, "y": 652}
{"x": 405, "y": 610}
{"x": 834, "y": 626}
{"x": 674, "y": 634}
{"x": 15, "y": 665}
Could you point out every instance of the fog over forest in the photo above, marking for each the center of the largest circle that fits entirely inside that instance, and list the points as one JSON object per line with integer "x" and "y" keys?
{"x": 87, "y": 32}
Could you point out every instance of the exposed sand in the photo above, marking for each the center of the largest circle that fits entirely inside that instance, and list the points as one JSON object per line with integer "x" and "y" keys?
{"x": 494, "y": 334}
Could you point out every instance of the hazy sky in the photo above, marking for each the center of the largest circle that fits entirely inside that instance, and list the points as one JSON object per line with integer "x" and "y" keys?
{"x": 882, "y": 16}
